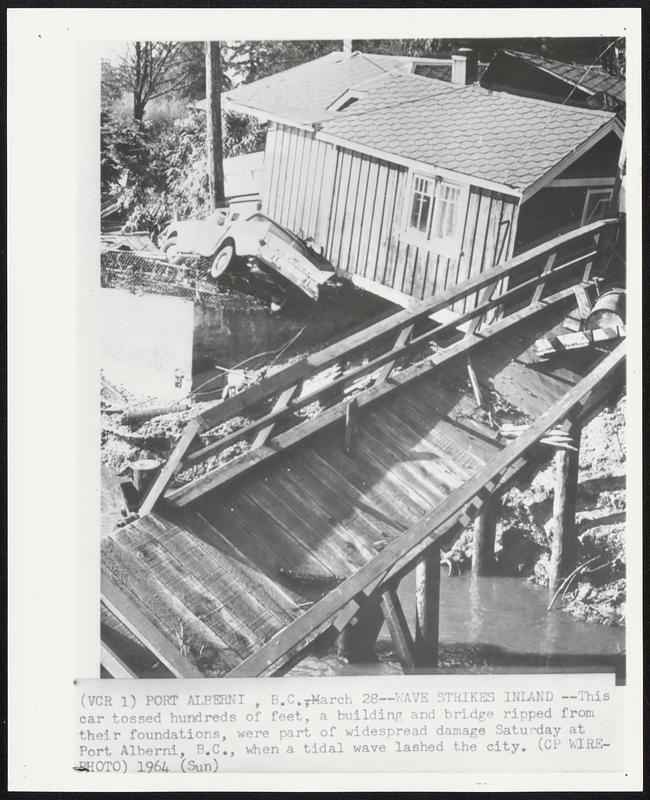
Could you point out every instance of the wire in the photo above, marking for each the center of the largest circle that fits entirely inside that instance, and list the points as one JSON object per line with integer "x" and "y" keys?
{"x": 557, "y": 110}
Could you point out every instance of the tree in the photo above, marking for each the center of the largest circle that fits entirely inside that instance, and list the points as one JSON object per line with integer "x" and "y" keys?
{"x": 153, "y": 69}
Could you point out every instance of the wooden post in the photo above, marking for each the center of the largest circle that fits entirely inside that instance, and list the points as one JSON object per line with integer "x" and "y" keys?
{"x": 427, "y": 608}
{"x": 356, "y": 643}
{"x": 145, "y": 471}
{"x": 213, "y": 130}
{"x": 484, "y": 533}
{"x": 565, "y": 539}
{"x": 351, "y": 411}
{"x": 399, "y": 630}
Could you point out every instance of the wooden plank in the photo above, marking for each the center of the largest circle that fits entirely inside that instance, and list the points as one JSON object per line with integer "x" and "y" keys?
{"x": 298, "y": 522}
{"x": 318, "y": 617}
{"x": 130, "y": 615}
{"x": 368, "y": 221}
{"x": 347, "y": 226}
{"x": 431, "y": 476}
{"x": 226, "y": 572}
{"x": 386, "y": 254}
{"x": 402, "y": 338}
{"x": 374, "y": 270}
{"x": 399, "y": 630}
{"x": 332, "y": 515}
{"x": 267, "y": 189}
{"x": 172, "y": 465}
{"x": 548, "y": 267}
{"x": 345, "y": 499}
{"x": 326, "y": 198}
{"x": 574, "y": 341}
{"x": 478, "y": 242}
{"x": 583, "y": 301}
{"x": 357, "y": 216}
{"x": 114, "y": 665}
{"x": 282, "y": 402}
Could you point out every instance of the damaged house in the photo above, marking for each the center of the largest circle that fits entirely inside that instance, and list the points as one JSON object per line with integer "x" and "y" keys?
{"x": 411, "y": 184}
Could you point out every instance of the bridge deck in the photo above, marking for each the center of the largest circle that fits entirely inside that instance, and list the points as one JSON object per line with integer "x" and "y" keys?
{"x": 220, "y": 576}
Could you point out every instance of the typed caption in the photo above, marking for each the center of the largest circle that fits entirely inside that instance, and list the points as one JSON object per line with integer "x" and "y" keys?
{"x": 426, "y": 723}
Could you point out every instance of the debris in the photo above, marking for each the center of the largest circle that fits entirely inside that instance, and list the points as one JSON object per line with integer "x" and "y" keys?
{"x": 572, "y": 341}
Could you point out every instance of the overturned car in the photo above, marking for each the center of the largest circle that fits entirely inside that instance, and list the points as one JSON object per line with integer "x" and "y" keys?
{"x": 270, "y": 250}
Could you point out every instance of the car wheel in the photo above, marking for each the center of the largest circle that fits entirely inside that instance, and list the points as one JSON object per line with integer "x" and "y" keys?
{"x": 170, "y": 249}
{"x": 222, "y": 260}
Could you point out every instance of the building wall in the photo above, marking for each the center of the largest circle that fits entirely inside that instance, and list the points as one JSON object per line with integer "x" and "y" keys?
{"x": 353, "y": 206}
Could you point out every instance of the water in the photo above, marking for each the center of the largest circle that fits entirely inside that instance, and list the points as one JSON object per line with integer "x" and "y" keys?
{"x": 494, "y": 625}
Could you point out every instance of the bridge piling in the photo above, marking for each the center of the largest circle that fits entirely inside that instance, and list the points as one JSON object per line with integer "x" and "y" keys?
{"x": 565, "y": 535}
{"x": 427, "y": 608}
{"x": 356, "y": 642}
{"x": 484, "y": 535}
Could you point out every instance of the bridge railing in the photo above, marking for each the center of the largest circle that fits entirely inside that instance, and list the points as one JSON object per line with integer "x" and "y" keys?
{"x": 371, "y": 354}
{"x": 436, "y": 529}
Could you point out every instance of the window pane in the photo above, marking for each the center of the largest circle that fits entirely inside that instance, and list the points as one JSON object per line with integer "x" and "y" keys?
{"x": 445, "y": 223}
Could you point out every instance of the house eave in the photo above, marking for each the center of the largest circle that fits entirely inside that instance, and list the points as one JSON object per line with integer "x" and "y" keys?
{"x": 265, "y": 116}
{"x": 613, "y": 125}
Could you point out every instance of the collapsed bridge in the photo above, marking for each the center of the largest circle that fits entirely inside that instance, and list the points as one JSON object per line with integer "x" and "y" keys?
{"x": 355, "y": 467}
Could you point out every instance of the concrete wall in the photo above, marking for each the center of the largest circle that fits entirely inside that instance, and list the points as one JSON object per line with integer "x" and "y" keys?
{"x": 147, "y": 342}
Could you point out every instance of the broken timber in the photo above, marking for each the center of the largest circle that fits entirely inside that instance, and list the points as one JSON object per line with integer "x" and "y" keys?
{"x": 573, "y": 341}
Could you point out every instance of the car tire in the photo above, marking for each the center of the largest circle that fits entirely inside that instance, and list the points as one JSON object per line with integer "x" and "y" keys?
{"x": 222, "y": 259}
{"x": 170, "y": 249}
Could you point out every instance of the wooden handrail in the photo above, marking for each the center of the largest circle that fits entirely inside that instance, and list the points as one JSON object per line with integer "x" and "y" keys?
{"x": 379, "y": 361}
{"x": 406, "y": 549}
{"x": 296, "y": 374}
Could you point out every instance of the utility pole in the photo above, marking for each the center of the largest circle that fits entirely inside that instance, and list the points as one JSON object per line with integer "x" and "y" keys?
{"x": 213, "y": 138}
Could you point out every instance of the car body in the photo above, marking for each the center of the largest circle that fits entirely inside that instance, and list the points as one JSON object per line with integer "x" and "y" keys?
{"x": 225, "y": 235}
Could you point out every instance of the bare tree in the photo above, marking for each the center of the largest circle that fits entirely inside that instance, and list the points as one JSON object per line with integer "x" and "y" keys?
{"x": 151, "y": 70}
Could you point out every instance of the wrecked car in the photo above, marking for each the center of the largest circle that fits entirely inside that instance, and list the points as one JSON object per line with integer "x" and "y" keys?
{"x": 267, "y": 247}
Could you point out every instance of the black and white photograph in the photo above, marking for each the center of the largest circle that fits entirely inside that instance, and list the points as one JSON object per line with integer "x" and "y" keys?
{"x": 362, "y": 357}
{"x": 325, "y": 453}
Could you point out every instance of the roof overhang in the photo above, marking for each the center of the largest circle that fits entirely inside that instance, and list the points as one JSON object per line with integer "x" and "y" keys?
{"x": 613, "y": 126}
{"x": 264, "y": 116}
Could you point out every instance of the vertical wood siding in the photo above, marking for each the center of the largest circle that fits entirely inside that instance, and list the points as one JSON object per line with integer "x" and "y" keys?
{"x": 354, "y": 207}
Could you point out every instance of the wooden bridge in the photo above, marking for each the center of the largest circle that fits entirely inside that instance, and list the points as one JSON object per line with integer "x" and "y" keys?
{"x": 355, "y": 466}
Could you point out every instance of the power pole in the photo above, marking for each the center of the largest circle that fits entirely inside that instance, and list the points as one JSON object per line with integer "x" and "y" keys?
{"x": 213, "y": 139}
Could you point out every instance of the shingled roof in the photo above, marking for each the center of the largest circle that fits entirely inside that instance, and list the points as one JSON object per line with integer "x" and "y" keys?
{"x": 591, "y": 78}
{"x": 302, "y": 93}
{"x": 495, "y": 136}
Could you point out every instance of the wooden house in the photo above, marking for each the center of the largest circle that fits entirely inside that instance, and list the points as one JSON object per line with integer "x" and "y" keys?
{"x": 411, "y": 184}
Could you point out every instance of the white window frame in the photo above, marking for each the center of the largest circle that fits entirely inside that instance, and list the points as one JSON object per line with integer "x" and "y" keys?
{"x": 606, "y": 195}
{"x": 446, "y": 245}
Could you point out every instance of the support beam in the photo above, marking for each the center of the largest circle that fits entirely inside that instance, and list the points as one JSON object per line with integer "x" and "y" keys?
{"x": 356, "y": 643}
{"x": 399, "y": 630}
{"x": 484, "y": 534}
{"x": 427, "y": 608}
{"x": 565, "y": 534}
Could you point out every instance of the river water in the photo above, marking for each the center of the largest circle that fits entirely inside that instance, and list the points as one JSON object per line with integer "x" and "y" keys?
{"x": 494, "y": 624}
